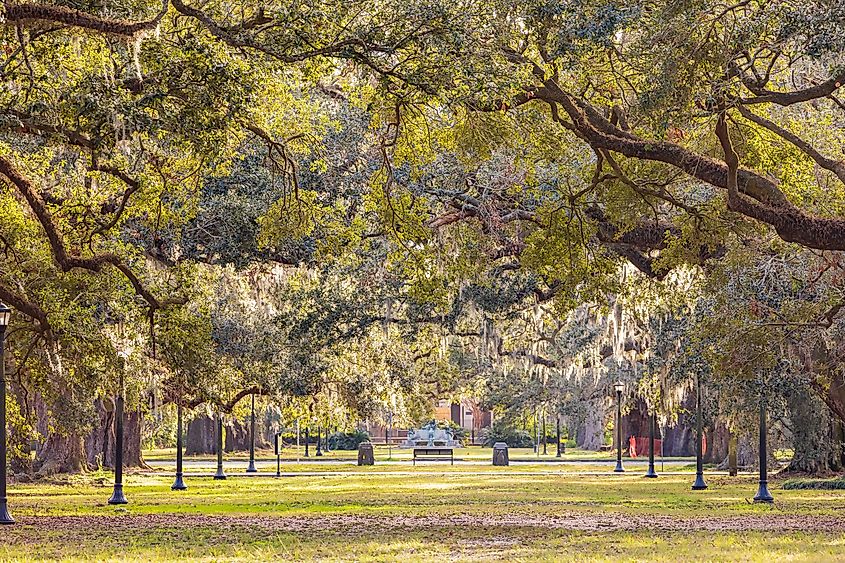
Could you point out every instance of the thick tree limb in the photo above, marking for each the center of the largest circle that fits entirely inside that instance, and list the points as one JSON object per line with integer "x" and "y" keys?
{"x": 21, "y": 122}
{"x": 64, "y": 259}
{"x": 822, "y": 90}
{"x": 133, "y": 186}
{"x": 533, "y": 358}
{"x": 760, "y": 199}
{"x": 25, "y": 306}
{"x": 21, "y": 14}
{"x": 835, "y": 166}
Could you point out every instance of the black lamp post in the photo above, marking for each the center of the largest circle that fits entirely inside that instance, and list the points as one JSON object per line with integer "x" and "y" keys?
{"x": 390, "y": 427}
{"x": 5, "y": 316}
{"x": 278, "y": 455}
{"x": 319, "y": 449}
{"x": 306, "y": 442}
{"x": 545, "y": 440}
{"x": 763, "y": 494}
{"x": 251, "y": 468}
{"x": 179, "y": 484}
{"x": 651, "y": 473}
{"x": 117, "y": 496}
{"x": 220, "y": 475}
{"x": 558, "y": 436}
{"x": 618, "y": 387}
{"x": 699, "y": 484}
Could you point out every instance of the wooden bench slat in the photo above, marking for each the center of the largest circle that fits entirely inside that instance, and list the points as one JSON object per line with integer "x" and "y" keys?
{"x": 434, "y": 452}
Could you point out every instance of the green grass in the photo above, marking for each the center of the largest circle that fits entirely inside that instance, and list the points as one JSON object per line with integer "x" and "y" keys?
{"x": 166, "y": 456}
{"x": 435, "y": 513}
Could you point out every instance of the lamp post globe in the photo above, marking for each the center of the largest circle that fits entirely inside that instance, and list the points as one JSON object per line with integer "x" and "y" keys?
{"x": 619, "y": 387}
{"x": 5, "y": 317}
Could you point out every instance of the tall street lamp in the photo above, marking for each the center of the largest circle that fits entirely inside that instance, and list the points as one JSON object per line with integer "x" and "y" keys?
{"x": 763, "y": 494}
{"x": 390, "y": 427}
{"x": 319, "y": 448}
{"x": 179, "y": 484}
{"x": 545, "y": 440}
{"x": 699, "y": 484}
{"x": 278, "y": 454}
{"x": 220, "y": 475}
{"x": 306, "y": 442}
{"x": 558, "y": 436}
{"x": 619, "y": 387}
{"x": 251, "y": 468}
{"x": 117, "y": 496}
{"x": 5, "y": 316}
{"x": 651, "y": 423}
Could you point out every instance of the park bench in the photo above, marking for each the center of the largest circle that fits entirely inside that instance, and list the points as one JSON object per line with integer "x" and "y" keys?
{"x": 435, "y": 453}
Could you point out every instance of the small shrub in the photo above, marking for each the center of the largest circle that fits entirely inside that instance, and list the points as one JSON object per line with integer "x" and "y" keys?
{"x": 817, "y": 484}
{"x": 458, "y": 432}
{"x": 513, "y": 437}
{"x": 347, "y": 440}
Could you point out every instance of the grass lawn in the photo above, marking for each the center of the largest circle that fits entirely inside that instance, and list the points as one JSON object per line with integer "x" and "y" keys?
{"x": 384, "y": 453}
{"x": 432, "y": 512}
{"x": 469, "y": 459}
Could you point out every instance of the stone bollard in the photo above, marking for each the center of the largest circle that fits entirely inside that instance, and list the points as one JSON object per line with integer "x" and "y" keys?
{"x": 365, "y": 454}
{"x": 500, "y": 454}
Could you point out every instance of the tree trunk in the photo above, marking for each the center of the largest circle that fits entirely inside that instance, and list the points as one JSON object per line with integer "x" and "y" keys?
{"x": 817, "y": 446}
{"x": 747, "y": 450}
{"x": 200, "y": 435}
{"x": 679, "y": 439}
{"x": 590, "y": 434}
{"x": 237, "y": 436}
{"x": 718, "y": 440}
{"x": 61, "y": 454}
{"x": 100, "y": 442}
{"x": 20, "y": 435}
{"x": 57, "y": 452}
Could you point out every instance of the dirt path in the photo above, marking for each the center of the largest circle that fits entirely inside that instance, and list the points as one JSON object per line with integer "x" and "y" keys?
{"x": 73, "y": 526}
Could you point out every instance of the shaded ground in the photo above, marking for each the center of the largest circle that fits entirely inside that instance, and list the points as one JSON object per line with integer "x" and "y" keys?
{"x": 351, "y": 524}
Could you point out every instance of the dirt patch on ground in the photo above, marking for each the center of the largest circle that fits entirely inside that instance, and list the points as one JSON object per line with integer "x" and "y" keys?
{"x": 82, "y": 526}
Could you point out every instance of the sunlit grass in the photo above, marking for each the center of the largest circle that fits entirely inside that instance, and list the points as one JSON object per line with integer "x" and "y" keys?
{"x": 395, "y": 453}
{"x": 377, "y": 504}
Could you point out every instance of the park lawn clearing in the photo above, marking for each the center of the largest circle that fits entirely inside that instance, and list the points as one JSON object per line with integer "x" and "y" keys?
{"x": 444, "y": 515}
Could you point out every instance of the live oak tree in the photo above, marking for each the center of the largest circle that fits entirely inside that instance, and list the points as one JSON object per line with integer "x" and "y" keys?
{"x": 112, "y": 119}
{"x": 430, "y": 165}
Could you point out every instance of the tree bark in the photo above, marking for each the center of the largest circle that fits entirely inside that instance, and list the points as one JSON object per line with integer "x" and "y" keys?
{"x": 58, "y": 452}
{"x": 816, "y": 443}
{"x": 718, "y": 441}
{"x": 590, "y": 434}
{"x": 679, "y": 439}
{"x": 200, "y": 435}
{"x": 237, "y": 436}
{"x": 61, "y": 453}
{"x": 100, "y": 442}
